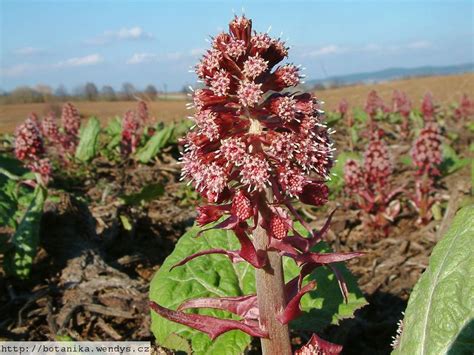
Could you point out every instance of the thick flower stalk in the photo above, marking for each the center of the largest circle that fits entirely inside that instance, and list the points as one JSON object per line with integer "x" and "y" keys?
{"x": 71, "y": 122}
{"x": 426, "y": 155}
{"x": 369, "y": 186}
{"x": 130, "y": 133}
{"x": 401, "y": 104}
{"x": 254, "y": 150}
{"x": 29, "y": 148}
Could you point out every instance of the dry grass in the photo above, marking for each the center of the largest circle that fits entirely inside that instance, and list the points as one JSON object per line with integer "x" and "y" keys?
{"x": 446, "y": 89}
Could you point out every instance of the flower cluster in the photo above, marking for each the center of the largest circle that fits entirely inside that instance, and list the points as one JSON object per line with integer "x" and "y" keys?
{"x": 255, "y": 148}
{"x": 29, "y": 148}
{"x": 143, "y": 113}
{"x": 374, "y": 104}
{"x": 369, "y": 184}
{"x": 426, "y": 155}
{"x": 426, "y": 151}
{"x": 130, "y": 133}
{"x": 71, "y": 122}
{"x": 50, "y": 129}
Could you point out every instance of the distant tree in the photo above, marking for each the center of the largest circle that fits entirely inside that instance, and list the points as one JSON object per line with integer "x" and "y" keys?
{"x": 25, "y": 94}
{"x": 128, "y": 91}
{"x": 151, "y": 91}
{"x": 79, "y": 92}
{"x": 46, "y": 91}
{"x": 90, "y": 91}
{"x": 61, "y": 92}
{"x": 108, "y": 93}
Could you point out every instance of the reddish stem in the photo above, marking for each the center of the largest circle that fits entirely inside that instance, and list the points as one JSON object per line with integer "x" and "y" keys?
{"x": 271, "y": 298}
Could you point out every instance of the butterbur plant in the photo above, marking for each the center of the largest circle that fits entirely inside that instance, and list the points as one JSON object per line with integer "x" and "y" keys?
{"x": 369, "y": 186}
{"x": 374, "y": 105}
{"x": 71, "y": 122}
{"x": 255, "y": 150}
{"x": 30, "y": 149}
{"x": 426, "y": 155}
{"x": 428, "y": 108}
{"x": 130, "y": 133}
{"x": 401, "y": 104}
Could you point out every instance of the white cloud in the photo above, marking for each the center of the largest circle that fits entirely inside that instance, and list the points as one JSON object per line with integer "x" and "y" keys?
{"x": 132, "y": 34}
{"x": 80, "y": 61}
{"x": 16, "y": 70}
{"x": 139, "y": 58}
{"x": 419, "y": 45}
{"x": 326, "y": 50}
{"x": 26, "y": 51}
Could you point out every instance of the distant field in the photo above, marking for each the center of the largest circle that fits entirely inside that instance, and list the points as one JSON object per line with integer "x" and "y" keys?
{"x": 446, "y": 89}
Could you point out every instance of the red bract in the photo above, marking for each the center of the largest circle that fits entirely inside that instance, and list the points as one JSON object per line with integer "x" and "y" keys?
{"x": 318, "y": 346}
{"x": 369, "y": 186}
{"x": 71, "y": 122}
{"x": 374, "y": 104}
{"x": 426, "y": 155}
{"x": 130, "y": 133}
{"x": 428, "y": 108}
{"x": 255, "y": 148}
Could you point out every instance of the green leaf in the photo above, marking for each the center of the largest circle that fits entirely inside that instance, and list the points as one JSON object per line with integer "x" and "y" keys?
{"x": 114, "y": 127}
{"x": 451, "y": 161}
{"x": 87, "y": 148}
{"x": 216, "y": 276}
{"x": 406, "y": 160}
{"x": 337, "y": 172}
{"x": 8, "y": 203}
{"x": 440, "y": 312}
{"x": 125, "y": 223}
{"x": 146, "y": 194}
{"x": 159, "y": 140}
{"x": 359, "y": 115}
{"x": 25, "y": 241}
{"x": 354, "y": 134}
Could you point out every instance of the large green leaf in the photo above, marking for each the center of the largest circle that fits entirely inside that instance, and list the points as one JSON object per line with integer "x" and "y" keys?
{"x": 451, "y": 160}
{"x": 25, "y": 241}
{"x": 159, "y": 140}
{"x": 87, "y": 148}
{"x": 440, "y": 313}
{"x": 216, "y": 276}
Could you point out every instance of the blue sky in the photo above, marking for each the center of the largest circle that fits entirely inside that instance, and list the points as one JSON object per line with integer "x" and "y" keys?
{"x": 155, "y": 42}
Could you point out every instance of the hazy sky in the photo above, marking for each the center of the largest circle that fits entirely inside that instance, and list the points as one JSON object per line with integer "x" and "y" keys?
{"x": 110, "y": 42}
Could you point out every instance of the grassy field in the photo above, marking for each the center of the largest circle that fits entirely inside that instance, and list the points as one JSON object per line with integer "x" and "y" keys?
{"x": 446, "y": 89}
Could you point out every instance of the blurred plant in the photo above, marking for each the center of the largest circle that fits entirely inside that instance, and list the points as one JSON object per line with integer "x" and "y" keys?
{"x": 131, "y": 125}
{"x": 426, "y": 156}
{"x": 370, "y": 186}
{"x": 428, "y": 108}
{"x": 71, "y": 122}
{"x": 250, "y": 156}
{"x": 401, "y": 104}
{"x": 50, "y": 129}
{"x": 29, "y": 148}
{"x": 465, "y": 109}
{"x": 374, "y": 106}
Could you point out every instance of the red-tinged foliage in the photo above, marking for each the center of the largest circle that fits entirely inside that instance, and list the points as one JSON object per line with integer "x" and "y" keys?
{"x": 465, "y": 109}
{"x": 428, "y": 108}
{"x": 369, "y": 186}
{"x": 130, "y": 133}
{"x": 426, "y": 155}
{"x": 318, "y": 346}
{"x": 254, "y": 149}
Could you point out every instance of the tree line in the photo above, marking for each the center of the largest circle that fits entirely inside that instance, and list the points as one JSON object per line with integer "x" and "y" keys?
{"x": 86, "y": 92}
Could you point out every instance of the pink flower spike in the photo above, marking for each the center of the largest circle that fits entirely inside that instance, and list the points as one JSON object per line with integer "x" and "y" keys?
{"x": 210, "y": 325}
{"x": 293, "y": 309}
